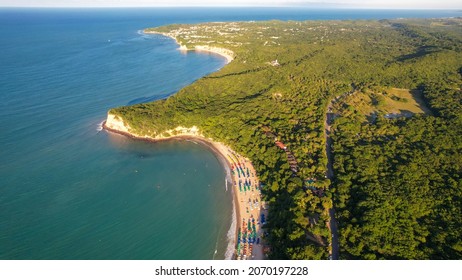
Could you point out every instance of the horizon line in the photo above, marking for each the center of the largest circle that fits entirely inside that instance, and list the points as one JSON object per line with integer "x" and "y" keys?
{"x": 239, "y": 6}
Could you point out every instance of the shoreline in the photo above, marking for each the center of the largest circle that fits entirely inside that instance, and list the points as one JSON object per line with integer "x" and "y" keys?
{"x": 228, "y": 54}
{"x": 225, "y": 155}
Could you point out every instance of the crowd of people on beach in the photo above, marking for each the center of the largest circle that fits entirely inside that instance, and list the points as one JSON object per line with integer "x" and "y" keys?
{"x": 251, "y": 209}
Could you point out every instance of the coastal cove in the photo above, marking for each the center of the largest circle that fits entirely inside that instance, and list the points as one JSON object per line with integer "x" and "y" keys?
{"x": 235, "y": 165}
{"x": 240, "y": 247}
{"x": 229, "y": 55}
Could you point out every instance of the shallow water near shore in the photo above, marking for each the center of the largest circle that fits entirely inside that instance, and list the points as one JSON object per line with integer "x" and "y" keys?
{"x": 71, "y": 191}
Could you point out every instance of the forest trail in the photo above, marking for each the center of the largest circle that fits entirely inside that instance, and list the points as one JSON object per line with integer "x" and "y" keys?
{"x": 332, "y": 225}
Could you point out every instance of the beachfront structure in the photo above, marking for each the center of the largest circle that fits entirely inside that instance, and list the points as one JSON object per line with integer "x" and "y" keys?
{"x": 281, "y": 145}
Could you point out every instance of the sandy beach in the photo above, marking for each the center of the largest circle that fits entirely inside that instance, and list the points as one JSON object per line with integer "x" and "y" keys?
{"x": 249, "y": 207}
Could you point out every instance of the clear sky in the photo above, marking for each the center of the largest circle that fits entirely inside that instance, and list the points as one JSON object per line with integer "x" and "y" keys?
{"x": 421, "y": 4}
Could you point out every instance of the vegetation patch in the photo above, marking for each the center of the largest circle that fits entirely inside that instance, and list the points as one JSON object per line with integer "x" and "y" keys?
{"x": 391, "y": 103}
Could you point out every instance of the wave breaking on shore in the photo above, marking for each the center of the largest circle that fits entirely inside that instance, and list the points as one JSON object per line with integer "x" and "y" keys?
{"x": 231, "y": 235}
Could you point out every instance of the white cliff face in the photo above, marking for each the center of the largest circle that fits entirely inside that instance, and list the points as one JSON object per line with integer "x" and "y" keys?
{"x": 116, "y": 123}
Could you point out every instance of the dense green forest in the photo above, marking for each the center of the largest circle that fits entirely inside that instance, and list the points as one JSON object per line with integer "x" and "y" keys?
{"x": 397, "y": 187}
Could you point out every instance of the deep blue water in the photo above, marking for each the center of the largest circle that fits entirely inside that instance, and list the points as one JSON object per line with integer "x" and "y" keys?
{"x": 69, "y": 191}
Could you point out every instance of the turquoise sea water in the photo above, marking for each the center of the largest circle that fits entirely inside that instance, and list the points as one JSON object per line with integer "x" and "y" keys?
{"x": 71, "y": 191}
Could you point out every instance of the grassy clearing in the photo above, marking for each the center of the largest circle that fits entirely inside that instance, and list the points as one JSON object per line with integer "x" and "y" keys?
{"x": 391, "y": 102}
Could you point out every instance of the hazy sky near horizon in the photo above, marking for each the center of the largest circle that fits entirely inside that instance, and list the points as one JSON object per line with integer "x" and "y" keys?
{"x": 421, "y": 4}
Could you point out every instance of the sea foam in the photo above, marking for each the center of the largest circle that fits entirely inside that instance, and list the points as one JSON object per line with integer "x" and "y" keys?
{"x": 231, "y": 235}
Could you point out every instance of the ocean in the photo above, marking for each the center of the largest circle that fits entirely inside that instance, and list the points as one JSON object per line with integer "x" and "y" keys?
{"x": 69, "y": 190}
